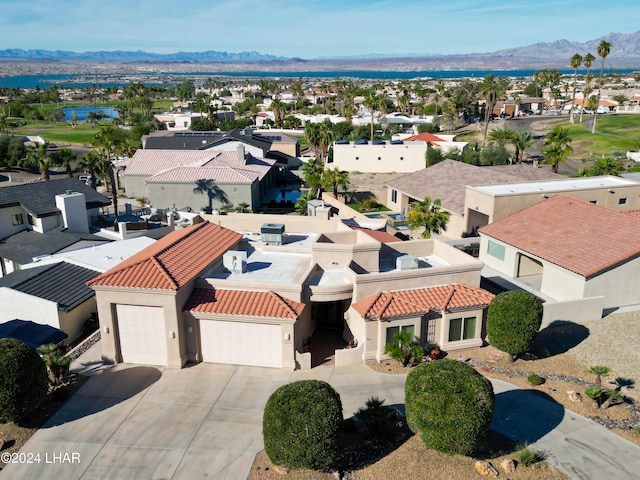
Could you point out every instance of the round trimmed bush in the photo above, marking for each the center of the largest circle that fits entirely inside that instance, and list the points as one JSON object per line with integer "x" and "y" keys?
{"x": 450, "y": 405}
{"x": 23, "y": 378}
{"x": 513, "y": 321}
{"x": 301, "y": 425}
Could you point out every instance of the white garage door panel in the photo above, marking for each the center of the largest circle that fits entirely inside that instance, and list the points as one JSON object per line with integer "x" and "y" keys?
{"x": 241, "y": 343}
{"x": 142, "y": 334}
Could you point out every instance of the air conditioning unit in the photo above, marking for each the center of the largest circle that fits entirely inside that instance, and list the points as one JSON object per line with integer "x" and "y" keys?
{"x": 235, "y": 261}
{"x": 407, "y": 262}
{"x": 272, "y": 233}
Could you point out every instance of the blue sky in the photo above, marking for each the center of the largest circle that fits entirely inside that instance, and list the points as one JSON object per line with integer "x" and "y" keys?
{"x": 308, "y": 28}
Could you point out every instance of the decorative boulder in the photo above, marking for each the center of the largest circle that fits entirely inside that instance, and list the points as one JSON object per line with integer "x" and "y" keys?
{"x": 508, "y": 465}
{"x": 574, "y": 396}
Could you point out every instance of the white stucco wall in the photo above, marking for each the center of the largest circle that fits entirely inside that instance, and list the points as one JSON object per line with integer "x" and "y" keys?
{"x": 18, "y": 305}
{"x": 403, "y": 158}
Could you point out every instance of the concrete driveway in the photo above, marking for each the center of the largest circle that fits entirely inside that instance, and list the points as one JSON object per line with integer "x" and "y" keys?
{"x": 205, "y": 421}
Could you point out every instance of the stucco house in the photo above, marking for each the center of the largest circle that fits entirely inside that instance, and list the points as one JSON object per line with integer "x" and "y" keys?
{"x": 579, "y": 257}
{"x": 54, "y": 294}
{"x": 448, "y": 180}
{"x": 42, "y": 218}
{"x": 259, "y": 285}
{"x": 198, "y": 178}
{"x": 380, "y": 156}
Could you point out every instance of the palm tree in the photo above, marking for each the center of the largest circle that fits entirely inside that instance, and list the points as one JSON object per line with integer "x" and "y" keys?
{"x": 603, "y": 51}
{"x": 312, "y": 134}
{"x": 606, "y": 166}
{"x": 332, "y": 179}
{"x": 278, "y": 111}
{"x": 501, "y": 136}
{"x": 587, "y": 60}
{"x": 106, "y": 142}
{"x": 429, "y": 215}
{"x": 64, "y": 157}
{"x": 325, "y": 137}
{"x": 38, "y": 156}
{"x": 301, "y": 203}
{"x": 372, "y": 102}
{"x": 521, "y": 140}
{"x": 490, "y": 89}
{"x": 242, "y": 207}
{"x": 557, "y": 147}
{"x": 599, "y": 371}
{"x": 312, "y": 171}
{"x": 575, "y": 63}
{"x": 91, "y": 163}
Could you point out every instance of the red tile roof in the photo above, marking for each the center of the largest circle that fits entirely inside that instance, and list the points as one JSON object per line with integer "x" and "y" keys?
{"x": 379, "y": 235}
{"x": 244, "y": 303}
{"x": 576, "y": 235}
{"x": 172, "y": 261}
{"x": 422, "y": 300}
{"x": 424, "y": 137}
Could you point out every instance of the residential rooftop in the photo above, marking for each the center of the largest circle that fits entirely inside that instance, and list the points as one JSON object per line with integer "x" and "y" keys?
{"x": 584, "y": 183}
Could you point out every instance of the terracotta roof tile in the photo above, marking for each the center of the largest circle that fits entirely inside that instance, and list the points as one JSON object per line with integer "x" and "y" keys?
{"x": 172, "y": 261}
{"x": 424, "y": 137}
{"x": 243, "y": 303}
{"x": 379, "y": 235}
{"x": 422, "y": 300}
{"x": 576, "y": 235}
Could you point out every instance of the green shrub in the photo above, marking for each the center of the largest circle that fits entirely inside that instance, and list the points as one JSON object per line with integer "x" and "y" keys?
{"x": 301, "y": 425}
{"x": 450, "y": 404}
{"x": 527, "y": 456}
{"x": 57, "y": 363}
{"x": 404, "y": 349}
{"x": 513, "y": 321}
{"x": 535, "y": 379}
{"x": 23, "y": 378}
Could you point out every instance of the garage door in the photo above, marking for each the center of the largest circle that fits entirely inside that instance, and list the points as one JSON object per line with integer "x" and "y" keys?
{"x": 142, "y": 334}
{"x": 241, "y": 343}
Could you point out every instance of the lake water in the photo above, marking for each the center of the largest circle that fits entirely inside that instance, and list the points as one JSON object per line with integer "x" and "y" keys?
{"x": 164, "y": 78}
{"x": 82, "y": 112}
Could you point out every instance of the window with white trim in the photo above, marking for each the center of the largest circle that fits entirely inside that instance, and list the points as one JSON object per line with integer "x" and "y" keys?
{"x": 462, "y": 329}
{"x": 496, "y": 250}
{"x": 394, "y": 196}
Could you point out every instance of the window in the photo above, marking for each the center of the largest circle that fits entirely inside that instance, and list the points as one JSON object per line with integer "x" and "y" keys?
{"x": 495, "y": 250}
{"x": 394, "y": 196}
{"x": 462, "y": 328}
{"x": 401, "y": 158}
{"x": 379, "y": 158}
{"x": 357, "y": 158}
{"x": 593, "y": 201}
{"x": 17, "y": 219}
{"x": 31, "y": 220}
{"x": 392, "y": 331}
{"x": 622, "y": 201}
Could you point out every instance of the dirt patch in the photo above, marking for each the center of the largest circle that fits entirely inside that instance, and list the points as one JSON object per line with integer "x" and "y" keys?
{"x": 17, "y": 434}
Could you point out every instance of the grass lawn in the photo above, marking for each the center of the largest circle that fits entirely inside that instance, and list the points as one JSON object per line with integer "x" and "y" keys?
{"x": 615, "y": 133}
{"x": 83, "y": 133}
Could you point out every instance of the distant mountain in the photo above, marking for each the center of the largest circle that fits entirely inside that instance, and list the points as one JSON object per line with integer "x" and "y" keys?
{"x": 625, "y": 53}
{"x": 623, "y": 46}
{"x": 209, "y": 56}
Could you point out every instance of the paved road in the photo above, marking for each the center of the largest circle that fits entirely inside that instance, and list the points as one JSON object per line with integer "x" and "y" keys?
{"x": 136, "y": 422}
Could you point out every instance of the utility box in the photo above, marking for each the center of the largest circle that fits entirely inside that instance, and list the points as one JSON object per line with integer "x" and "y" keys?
{"x": 272, "y": 233}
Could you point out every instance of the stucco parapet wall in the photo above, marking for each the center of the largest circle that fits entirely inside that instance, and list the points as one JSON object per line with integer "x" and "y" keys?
{"x": 395, "y": 275}
{"x": 242, "y": 318}
{"x": 250, "y": 222}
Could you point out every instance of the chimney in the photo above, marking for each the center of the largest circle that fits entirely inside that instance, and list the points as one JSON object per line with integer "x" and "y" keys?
{"x": 240, "y": 150}
{"x": 73, "y": 207}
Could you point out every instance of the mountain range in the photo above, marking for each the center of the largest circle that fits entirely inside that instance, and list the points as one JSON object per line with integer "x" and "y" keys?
{"x": 625, "y": 53}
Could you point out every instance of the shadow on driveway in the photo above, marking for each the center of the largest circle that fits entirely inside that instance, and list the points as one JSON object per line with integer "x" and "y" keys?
{"x": 526, "y": 415}
{"x": 104, "y": 391}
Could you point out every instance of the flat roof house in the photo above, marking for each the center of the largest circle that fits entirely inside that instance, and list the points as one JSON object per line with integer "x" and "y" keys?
{"x": 250, "y": 289}
{"x": 580, "y": 258}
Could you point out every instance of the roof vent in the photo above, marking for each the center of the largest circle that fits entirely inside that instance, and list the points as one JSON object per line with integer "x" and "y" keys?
{"x": 235, "y": 261}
